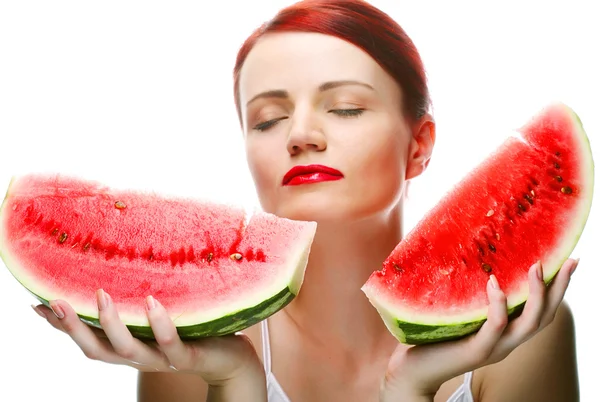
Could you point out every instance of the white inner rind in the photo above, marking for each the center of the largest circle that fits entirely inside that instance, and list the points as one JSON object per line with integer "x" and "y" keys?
{"x": 391, "y": 311}
{"x": 291, "y": 276}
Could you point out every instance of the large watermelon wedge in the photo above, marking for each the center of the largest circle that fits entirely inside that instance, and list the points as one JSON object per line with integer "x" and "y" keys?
{"x": 526, "y": 202}
{"x": 216, "y": 269}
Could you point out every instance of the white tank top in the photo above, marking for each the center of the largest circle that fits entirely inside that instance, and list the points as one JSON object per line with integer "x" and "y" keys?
{"x": 276, "y": 394}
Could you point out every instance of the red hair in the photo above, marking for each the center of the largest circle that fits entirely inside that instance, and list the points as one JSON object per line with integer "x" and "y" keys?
{"x": 364, "y": 26}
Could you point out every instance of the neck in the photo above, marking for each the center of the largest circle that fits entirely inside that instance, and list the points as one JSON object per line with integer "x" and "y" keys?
{"x": 330, "y": 306}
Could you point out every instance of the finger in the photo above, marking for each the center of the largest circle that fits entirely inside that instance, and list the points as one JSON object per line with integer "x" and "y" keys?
{"x": 462, "y": 355}
{"x": 529, "y": 322}
{"x": 481, "y": 345}
{"x": 92, "y": 347}
{"x": 556, "y": 291}
{"x": 90, "y": 352}
{"x": 49, "y": 315}
{"x": 179, "y": 356}
{"x": 123, "y": 343}
{"x": 38, "y": 311}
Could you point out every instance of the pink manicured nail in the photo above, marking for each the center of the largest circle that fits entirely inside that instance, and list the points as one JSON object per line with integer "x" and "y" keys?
{"x": 574, "y": 266}
{"x": 150, "y": 302}
{"x": 494, "y": 282}
{"x": 38, "y": 311}
{"x": 58, "y": 311}
{"x": 102, "y": 299}
{"x": 538, "y": 270}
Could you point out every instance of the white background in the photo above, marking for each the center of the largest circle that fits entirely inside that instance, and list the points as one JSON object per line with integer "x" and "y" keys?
{"x": 139, "y": 94}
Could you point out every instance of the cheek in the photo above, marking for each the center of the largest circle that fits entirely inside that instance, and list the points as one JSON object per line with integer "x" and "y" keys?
{"x": 264, "y": 169}
{"x": 382, "y": 168}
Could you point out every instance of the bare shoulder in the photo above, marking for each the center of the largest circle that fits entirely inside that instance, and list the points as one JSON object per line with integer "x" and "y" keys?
{"x": 166, "y": 387}
{"x": 544, "y": 368}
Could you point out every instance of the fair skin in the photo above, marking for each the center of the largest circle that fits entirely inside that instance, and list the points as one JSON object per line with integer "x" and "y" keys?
{"x": 330, "y": 344}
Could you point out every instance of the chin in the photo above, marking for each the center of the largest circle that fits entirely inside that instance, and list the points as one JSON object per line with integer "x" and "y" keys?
{"x": 337, "y": 210}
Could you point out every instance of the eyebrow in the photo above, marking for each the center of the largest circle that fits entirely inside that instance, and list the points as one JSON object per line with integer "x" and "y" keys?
{"x": 283, "y": 94}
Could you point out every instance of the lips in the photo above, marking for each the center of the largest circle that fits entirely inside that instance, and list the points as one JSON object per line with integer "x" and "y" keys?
{"x": 310, "y": 174}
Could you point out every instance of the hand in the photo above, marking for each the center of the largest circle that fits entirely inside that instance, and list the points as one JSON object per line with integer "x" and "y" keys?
{"x": 216, "y": 359}
{"x": 419, "y": 371}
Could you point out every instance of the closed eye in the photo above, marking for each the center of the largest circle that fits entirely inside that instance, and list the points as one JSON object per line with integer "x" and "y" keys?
{"x": 268, "y": 124}
{"x": 340, "y": 112}
{"x": 347, "y": 112}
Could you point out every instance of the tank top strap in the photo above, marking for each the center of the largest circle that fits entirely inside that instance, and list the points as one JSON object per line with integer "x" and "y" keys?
{"x": 467, "y": 384}
{"x": 468, "y": 379}
{"x": 266, "y": 345}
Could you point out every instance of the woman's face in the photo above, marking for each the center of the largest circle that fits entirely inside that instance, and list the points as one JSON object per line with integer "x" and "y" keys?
{"x": 310, "y": 99}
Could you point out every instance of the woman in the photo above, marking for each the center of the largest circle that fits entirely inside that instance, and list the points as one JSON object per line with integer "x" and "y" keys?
{"x": 338, "y": 85}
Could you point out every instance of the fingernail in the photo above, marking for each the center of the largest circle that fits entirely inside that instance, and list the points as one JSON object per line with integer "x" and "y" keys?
{"x": 150, "y": 302}
{"x": 539, "y": 271}
{"x": 574, "y": 267}
{"x": 38, "y": 311}
{"x": 57, "y": 310}
{"x": 102, "y": 299}
{"x": 494, "y": 282}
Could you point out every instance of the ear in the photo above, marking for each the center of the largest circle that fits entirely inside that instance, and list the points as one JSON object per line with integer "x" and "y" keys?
{"x": 420, "y": 147}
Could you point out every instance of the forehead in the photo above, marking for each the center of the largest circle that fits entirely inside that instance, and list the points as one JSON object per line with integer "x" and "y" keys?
{"x": 298, "y": 61}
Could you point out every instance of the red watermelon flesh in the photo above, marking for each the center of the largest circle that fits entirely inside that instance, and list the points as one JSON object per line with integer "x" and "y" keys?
{"x": 526, "y": 202}
{"x": 215, "y": 268}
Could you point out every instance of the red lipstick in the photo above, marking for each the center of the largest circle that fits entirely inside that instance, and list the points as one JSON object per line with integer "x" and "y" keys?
{"x": 310, "y": 174}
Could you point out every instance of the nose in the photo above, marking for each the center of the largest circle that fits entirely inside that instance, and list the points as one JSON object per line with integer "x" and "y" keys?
{"x": 305, "y": 135}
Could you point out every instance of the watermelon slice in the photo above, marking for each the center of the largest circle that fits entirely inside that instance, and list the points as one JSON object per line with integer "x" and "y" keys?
{"x": 215, "y": 268}
{"x": 526, "y": 202}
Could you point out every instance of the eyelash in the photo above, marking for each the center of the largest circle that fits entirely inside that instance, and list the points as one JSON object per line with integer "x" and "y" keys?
{"x": 340, "y": 112}
{"x": 347, "y": 112}
{"x": 268, "y": 124}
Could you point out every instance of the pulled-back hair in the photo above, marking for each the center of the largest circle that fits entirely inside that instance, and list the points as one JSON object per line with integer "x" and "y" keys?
{"x": 361, "y": 24}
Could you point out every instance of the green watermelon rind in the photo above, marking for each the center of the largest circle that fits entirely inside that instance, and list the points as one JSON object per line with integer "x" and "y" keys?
{"x": 225, "y": 325}
{"x": 227, "y": 321}
{"x": 419, "y": 334}
{"x": 414, "y": 328}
